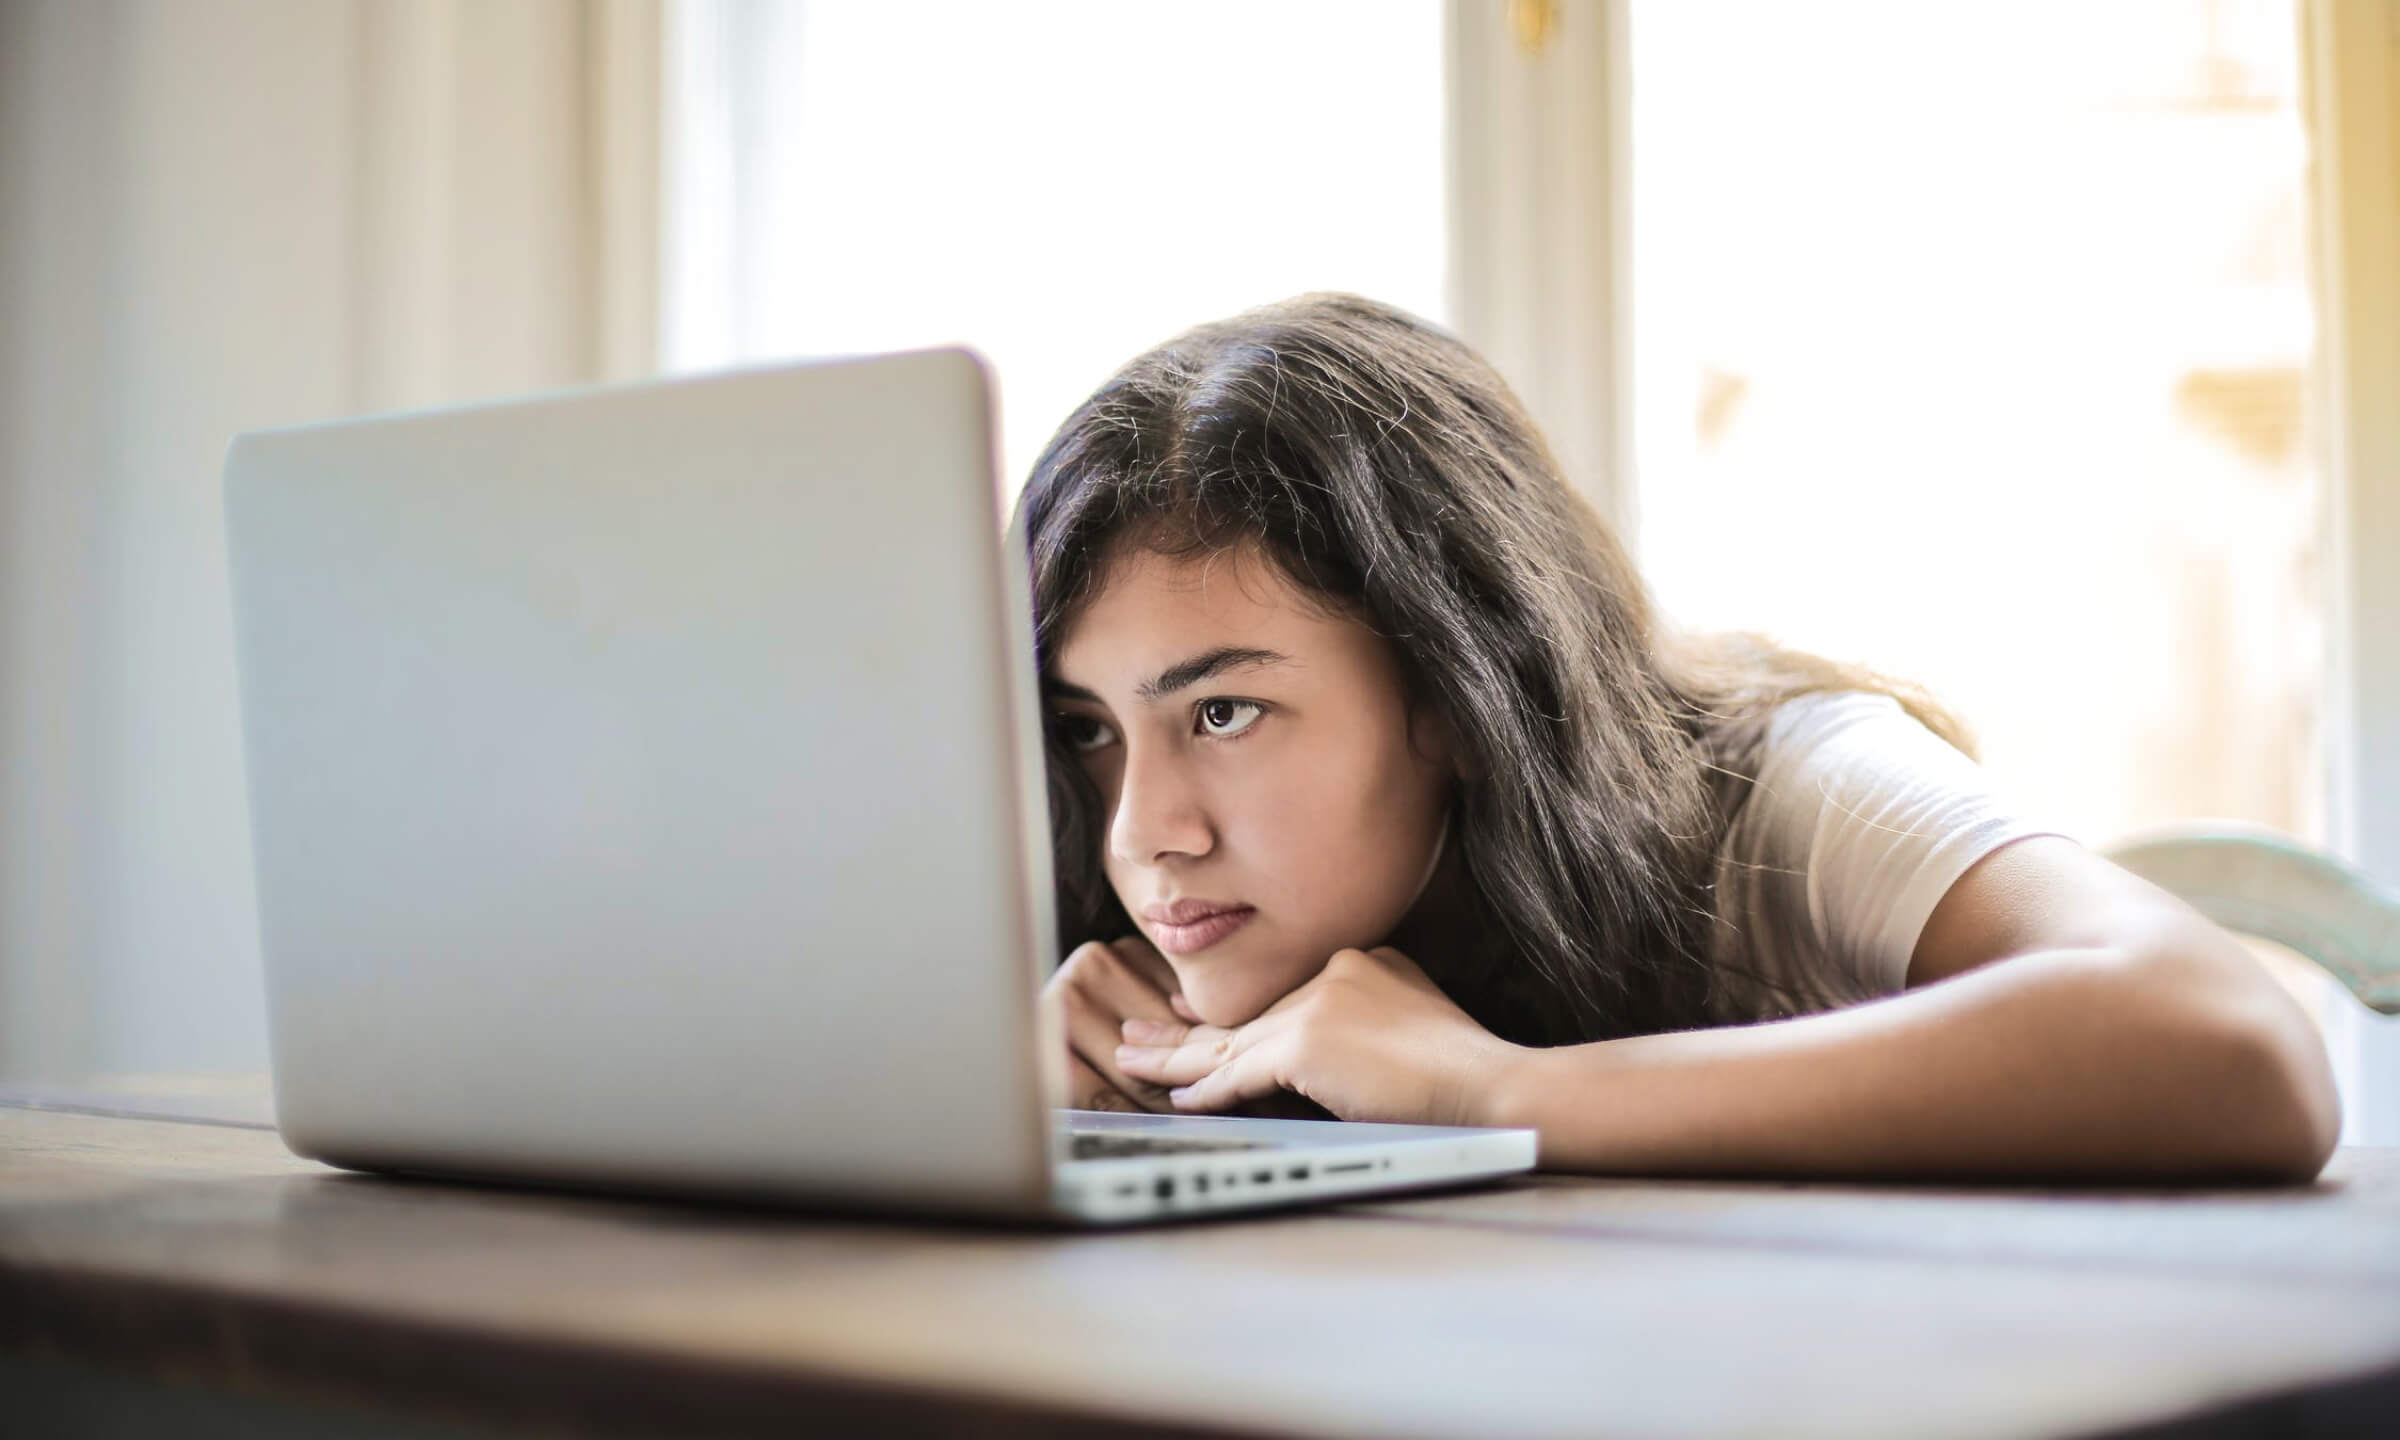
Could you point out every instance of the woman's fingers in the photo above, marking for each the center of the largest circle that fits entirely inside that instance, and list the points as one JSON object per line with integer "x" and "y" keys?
{"x": 1150, "y": 1043}
{"x": 1248, "y": 1076}
{"x": 1101, "y": 986}
{"x": 1087, "y": 1091}
{"x": 1092, "y": 1030}
{"x": 1155, "y": 1059}
{"x": 1165, "y": 1055}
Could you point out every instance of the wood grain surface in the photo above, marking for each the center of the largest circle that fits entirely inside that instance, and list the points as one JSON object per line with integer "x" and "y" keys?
{"x": 1546, "y": 1306}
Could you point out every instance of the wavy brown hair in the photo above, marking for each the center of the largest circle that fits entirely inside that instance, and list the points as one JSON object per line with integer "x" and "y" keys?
{"x": 1389, "y": 473}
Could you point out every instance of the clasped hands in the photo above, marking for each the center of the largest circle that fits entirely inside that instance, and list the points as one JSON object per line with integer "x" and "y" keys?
{"x": 1368, "y": 1037}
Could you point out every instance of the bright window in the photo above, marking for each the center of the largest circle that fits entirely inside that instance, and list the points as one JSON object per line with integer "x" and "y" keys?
{"x": 1972, "y": 344}
{"x": 1062, "y": 185}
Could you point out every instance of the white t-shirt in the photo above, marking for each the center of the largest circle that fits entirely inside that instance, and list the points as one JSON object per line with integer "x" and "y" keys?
{"x": 1860, "y": 821}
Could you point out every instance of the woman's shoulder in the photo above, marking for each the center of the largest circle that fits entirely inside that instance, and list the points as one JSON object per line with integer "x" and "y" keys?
{"x": 1851, "y": 740}
{"x": 1859, "y": 819}
{"x": 1855, "y": 765}
{"x": 1813, "y": 717}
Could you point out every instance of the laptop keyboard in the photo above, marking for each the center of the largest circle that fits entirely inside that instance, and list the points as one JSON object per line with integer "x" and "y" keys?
{"x": 1115, "y": 1144}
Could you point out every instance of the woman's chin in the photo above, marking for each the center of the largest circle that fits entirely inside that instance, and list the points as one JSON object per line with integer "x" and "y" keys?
{"x": 1223, "y": 1006}
{"x": 1226, "y": 996}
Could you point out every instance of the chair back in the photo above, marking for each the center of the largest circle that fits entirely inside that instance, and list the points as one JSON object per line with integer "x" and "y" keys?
{"x": 2261, "y": 883}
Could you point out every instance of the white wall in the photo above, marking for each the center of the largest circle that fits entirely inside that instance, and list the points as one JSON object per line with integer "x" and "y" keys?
{"x": 174, "y": 272}
{"x": 215, "y": 217}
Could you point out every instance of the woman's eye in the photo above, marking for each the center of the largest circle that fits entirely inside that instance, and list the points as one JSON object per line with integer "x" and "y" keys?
{"x": 1083, "y": 732}
{"x": 1225, "y": 719}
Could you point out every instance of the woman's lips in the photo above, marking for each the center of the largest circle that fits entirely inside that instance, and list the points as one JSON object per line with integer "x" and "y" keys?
{"x": 1198, "y": 930}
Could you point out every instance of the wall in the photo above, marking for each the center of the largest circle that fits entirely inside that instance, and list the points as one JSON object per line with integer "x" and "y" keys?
{"x": 213, "y": 218}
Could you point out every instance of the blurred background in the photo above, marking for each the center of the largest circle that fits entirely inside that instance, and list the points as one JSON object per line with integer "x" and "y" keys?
{"x": 2043, "y": 354}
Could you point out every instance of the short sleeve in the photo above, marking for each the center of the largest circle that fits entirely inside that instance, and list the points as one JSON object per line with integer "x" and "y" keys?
{"x": 1860, "y": 821}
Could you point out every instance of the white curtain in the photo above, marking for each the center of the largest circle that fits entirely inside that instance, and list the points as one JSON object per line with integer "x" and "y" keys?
{"x": 2351, "y": 61}
{"x": 2353, "y": 70}
{"x": 1538, "y": 222}
{"x": 215, "y": 217}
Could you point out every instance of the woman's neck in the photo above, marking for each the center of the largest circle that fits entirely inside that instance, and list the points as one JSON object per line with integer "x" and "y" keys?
{"x": 1439, "y": 927}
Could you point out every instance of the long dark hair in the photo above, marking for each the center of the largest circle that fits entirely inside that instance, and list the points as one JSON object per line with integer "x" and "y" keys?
{"x": 1390, "y": 473}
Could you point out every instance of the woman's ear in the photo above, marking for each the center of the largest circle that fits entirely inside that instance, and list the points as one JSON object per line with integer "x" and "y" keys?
{"x": 1432, "y": 736}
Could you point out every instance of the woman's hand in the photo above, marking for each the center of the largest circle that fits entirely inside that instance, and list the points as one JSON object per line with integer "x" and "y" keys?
{"x": 1369, "y": 1038}
{"x": 1097, "y": 988}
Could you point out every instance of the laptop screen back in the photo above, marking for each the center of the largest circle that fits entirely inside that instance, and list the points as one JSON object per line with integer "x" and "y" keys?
{"x": 645, "y": 786}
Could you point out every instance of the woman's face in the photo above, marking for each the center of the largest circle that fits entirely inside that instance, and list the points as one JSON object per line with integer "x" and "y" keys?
{"x": 1269, "y": 796}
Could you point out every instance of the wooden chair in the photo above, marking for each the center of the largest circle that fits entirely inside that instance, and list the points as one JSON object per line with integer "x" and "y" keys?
{"x": 2263, "y": 884}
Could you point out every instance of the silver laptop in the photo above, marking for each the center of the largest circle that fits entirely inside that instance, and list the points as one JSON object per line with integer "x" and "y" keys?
{"x": 647, "y": 794}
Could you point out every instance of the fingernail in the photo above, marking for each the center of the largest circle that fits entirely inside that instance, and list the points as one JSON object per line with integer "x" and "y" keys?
{"x": 1180, "y": 1093}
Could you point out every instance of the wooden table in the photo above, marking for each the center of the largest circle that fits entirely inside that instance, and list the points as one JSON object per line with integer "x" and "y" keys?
{"x": 193, "y": 1263}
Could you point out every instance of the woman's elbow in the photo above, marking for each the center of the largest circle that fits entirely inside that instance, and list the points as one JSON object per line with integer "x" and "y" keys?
{"x": 2265, "y": 1105}
{"x": 2317, "y": 1124}
{"x": 2286, "y": 1112}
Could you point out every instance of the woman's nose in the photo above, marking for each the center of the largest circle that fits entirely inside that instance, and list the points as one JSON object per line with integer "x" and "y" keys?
{"x": 1159, "y": 810}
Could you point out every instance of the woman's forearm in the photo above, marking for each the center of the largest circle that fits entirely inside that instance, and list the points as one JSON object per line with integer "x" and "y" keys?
{"x": 2060, "y": 1064}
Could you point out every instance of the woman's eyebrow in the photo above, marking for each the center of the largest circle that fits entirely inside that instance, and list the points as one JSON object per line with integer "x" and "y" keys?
{"x": 1175, "y": 677}
{"x": 1201, "y": 666}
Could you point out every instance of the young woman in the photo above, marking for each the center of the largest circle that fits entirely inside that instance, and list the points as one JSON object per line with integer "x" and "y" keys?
{"x": 1376, "y": 781}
